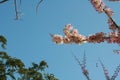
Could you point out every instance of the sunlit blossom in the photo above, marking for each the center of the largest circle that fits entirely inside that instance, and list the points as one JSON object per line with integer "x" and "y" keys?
{"x": 75, "y": 32}
{"x": 97, "y": 5}
{"x": 108, "y": 11}
{"x": 68, "y": 27}
{"x": 58, "y": 39}
{"x": 67, "y": 40}
{"x": 115, "y": 37}
{"x": 79, "y": 39}
{"x": 72, "y": 35}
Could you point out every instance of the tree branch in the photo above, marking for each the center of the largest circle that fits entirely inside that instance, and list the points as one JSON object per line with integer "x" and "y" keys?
{"x": 3, "y": 1}
{"x": 16, "y": 10}
{"x": 38, "y": 5}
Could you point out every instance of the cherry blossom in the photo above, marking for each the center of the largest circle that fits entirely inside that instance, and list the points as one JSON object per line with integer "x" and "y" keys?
{"x": 100, "y": 6}
{"x": 96, "y": 38}
{"x": 108, "y": 11}
{"x": 112, "y": 26}
{"x": 97, "y": 5}
{"x": 66, "y": 40}
{"x": 71, "y": 35}
{"x": 58, "y": 39}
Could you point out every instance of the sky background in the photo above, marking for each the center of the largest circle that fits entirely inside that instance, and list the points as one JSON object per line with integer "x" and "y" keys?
{"x": 28, "y": 38}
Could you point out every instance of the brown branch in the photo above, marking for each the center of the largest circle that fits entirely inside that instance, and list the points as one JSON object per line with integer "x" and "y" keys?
{"x": 111, "y": 19}
{"x": 105, "y": 71}
{"x": 38, "y": 5}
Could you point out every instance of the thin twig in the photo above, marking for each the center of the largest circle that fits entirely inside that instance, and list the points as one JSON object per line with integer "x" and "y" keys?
{"x": 85, "y": 71}
{"x": 38, "y": 5}
{"x": 16, "y": 10}
{"x": 105, "y": 71}
{"x": 111, "y": 19}
{"x": 77, "y": 59}
{"x": 84, "y": 60}
{"x": 116, "y": 72}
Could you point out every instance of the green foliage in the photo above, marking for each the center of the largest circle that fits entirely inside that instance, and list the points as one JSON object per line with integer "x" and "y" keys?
{"x": 14, "y": 69}
{"x": 50, "y": 77}
{"x": 3, "y": 41}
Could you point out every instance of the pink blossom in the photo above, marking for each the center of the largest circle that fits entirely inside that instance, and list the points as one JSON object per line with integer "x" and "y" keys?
{"x": 113, "y": 34}
{"x": 97, "y": 4}
{"x": 108, "y": 39}
{"x": 96, "y": 38}
{"x": 67, "y": 40}
{"x": 115, "y": 37}
{"x": 79, "y": 39}
{"x": 58, "y": 39}
{"x": 67, "y": 33}
{"x": 73, "y": 36}
{"x": 75, "y": 32}
{"x": 67, "y": 30}
{"x": 112, "y": 26}
{"x": 108, "y": 11}
{"x": 68, "y": 27}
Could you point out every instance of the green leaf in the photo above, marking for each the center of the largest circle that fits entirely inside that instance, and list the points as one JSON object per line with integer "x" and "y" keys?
{"x": 3, "y": 40}
{"x": 43, "y": 65}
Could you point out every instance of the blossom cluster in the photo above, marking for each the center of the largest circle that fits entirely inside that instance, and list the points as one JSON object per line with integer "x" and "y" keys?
{"x": 72, "y": 36}
{"x": 114, "y": 37}
{"x": 100, "y": 7}
{"x": 111, "y": 24}
{"x": 96, "y": 38}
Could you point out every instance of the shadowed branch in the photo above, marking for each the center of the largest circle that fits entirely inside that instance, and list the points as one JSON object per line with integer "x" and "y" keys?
{"x": 3, "y": 1}
{"x": 16, "y": 10}
{"x": 38, "y": 5}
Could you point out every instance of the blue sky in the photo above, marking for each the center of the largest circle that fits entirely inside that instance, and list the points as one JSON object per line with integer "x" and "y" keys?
{"x": 29, "y": 39}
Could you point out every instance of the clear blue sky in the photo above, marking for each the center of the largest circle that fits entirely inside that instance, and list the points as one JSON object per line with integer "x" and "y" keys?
{"x": 29, "y": 40}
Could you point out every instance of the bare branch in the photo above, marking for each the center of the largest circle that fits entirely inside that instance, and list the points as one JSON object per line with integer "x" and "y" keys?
{"x": 84, "y": 70}
{"x": 77, "y": 60}
{"x": 105, "y": 71}
{"x": 84, "y": 60}
{"x": 116, "y": 72}
{"x": 111, "y": 19}
{"x": 16, "y": 10}
{"x": 3, "y": 1}
{"x": 38, "y": 5}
